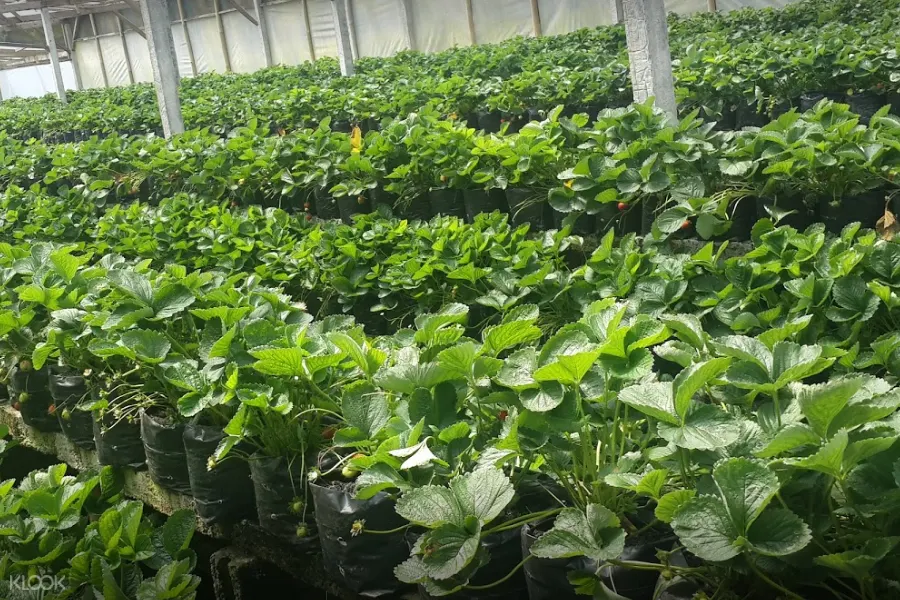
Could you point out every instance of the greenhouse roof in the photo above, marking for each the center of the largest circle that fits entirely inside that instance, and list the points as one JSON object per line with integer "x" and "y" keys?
{"x": 21, "y": 35}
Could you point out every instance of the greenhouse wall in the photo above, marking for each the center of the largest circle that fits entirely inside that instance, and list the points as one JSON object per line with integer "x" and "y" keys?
{"x": 108, "y": 52}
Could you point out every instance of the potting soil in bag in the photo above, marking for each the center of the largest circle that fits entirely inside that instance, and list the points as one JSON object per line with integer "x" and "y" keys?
{"x": 280, "y": 507}
{"x": 223, "y": 494}
{"x": 166, "y": 458}
{"x": 67, "y": 391}
{"x": 118, "y": 442}
{"x": 30, "y": 389}
{"x": 362, "y": 563}
{"x": 548, "y": 578}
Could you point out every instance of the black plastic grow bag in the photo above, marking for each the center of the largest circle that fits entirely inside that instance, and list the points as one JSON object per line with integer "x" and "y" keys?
{"x": 67, "y": 391}
{"x": 118, "y": 442}
{"x": 799, "y": 220}
{"x": 325, "y": 205}
{"x": 419, "y": 208}
{"x": 489, "y": 122}
{"x": 447, "y": 202}
{"x": 31, "y": 390}
{"x": 352, "y": 205}
{"x": 481, "y": 201}
{"x": 584, "y": 225}
{"x": 548, "y": 578}
{"x": 748, "y": 115}
{"x": 633, "y": 583}
{"x": 865, "y": 208}
{"x": 810, "y": 99}
{"x": 627, "y": 220}
{"x": 865, "y": 104}
{"x": 505, "y": 552}
{"x": 166, "y": 458}
{"x": 743, "y": 216}
{"x": 224, "y": 493}
{"x": 277, "y": 484}
{"x": 525, "y": 207}
{"x": 364, "y": 563}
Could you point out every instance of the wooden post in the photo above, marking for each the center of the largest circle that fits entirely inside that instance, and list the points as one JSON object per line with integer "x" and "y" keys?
{"x": 187, "y": 38}
{"x": 54, "y": 54}
{"x": 620, "y": 12}
{"x": 647, "y": 37}
{"x": 263, "y": 32}
{"x": 342, "y": 31}
{"x": 99, "y": 50}
{"x": 536, "y": 19}
{"x": 470, "y": 15}
{"x": 158, "y": 26}
{"x": 711, "y": 6}
{"x": 309, "y": 34}
{"x": 222, "y": 39}
{"x": 125, "y": 50}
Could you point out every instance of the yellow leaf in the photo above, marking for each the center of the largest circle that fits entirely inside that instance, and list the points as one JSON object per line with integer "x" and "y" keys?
{"x": 356, "y": 140}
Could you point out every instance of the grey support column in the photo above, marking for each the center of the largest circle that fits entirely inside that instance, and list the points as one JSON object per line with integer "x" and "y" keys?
{"x": 406, "y": 15}
{"x": 263, "y": 31}
{"x": 620, "y": 11}
{"x": 54, "y": 54}
{"x": 158, "y": 27}
{"x": 647, "y": 36}
{"x": 70, "y": 42}
{"x": 342, "y": 31}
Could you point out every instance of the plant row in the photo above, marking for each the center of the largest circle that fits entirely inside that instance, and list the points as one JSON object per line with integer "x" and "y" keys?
{"x": 633, "y": 170}
{"x": 740, "y": 408}
{"x": 65, "y": 536}
{"x": 734, "y": 66}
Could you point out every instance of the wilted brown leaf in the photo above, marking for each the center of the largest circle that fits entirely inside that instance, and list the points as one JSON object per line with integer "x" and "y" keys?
{"x": 887, "y": 226}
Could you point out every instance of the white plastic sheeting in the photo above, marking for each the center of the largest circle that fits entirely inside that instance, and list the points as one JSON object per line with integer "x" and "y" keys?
{"x": 34, "y": 80}
{"x": 182, "y": 56}
{"x": 378, "y": 30}
{"x": 244, "y": 43}
{"x": 139, "y": 54}
{"x": 207, "y": 45}
{"x": 321, "y": 22}
{"x": 563, "y": 16}
{"x": 87, "y": 56}
{"x": 439, "y": 24}
{"x": 285, "y": 22}
{"x": 114, "y": 60}
{"x": 498, "y": 20}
